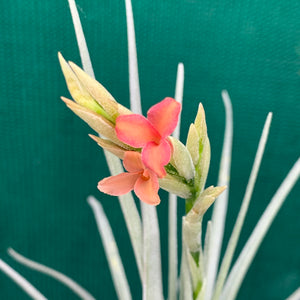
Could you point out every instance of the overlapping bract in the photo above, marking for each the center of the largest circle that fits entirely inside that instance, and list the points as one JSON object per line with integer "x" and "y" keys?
{"x": 165, "y": 161}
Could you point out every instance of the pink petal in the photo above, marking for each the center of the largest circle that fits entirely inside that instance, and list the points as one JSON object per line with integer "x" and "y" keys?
{"x": 164, "y": 116}
{"x": 135, "y": 130}
{"x": 133, "y": 161}
{"x": 155, "y": 157}
{"x": 118, "y": 185}
{"x": 147, "y": 189}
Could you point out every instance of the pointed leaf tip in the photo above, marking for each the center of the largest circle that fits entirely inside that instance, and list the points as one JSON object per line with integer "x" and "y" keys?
{"x": 200, "y": 122}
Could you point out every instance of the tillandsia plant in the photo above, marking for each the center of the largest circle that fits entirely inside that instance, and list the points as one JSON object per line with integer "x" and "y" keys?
{"x": 153, "y": 158}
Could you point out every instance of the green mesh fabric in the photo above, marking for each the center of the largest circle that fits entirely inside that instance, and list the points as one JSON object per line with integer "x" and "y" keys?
{"x": 49, "y": 165}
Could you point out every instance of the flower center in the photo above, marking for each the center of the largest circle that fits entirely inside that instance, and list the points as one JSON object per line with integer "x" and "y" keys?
{"x": 145, "y": 175}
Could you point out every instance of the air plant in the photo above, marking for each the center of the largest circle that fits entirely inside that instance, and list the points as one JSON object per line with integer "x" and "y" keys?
{"x": 154, "y": 158}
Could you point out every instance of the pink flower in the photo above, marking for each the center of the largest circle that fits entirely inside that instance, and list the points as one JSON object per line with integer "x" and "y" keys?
{"x": 143, "y": 181}
{"x": 151, "y": 133}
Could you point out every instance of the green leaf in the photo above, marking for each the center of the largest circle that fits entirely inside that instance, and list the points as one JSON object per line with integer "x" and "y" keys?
{"x": 111, "y": 250}
{"x": 226, "y": 262}
{"x": 127, "y": 203}
{"x": 23, "y": 283}
{"x": 172, "y": 210}
{"x": 220, "y": 206}
{"x": 62, "y": 278}
{"x": 243, "y": 262}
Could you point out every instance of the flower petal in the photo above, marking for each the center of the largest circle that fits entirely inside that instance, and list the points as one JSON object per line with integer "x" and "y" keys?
{"x": 147, "y": 190}
{"x": 135, "y": 130}
{"x": 155, "y": 157}
{"x": 133, "y": 161}
{"x": 164, "y": 116}
{"x": 118, "y": 185}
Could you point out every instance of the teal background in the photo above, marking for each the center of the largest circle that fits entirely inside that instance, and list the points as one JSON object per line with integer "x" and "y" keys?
{"x": 49, "y": 165}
